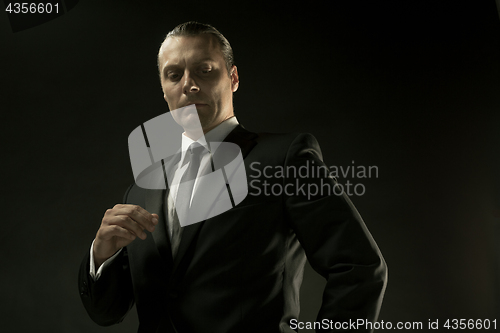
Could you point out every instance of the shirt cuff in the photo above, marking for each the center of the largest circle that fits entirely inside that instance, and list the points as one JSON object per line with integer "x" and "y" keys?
{"x": 95, "y": 275}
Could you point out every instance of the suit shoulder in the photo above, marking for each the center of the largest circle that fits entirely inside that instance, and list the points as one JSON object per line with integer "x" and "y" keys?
{"x": 289, "y": 141}
{"x": 286, "y": 145}
{"x": 286, "y": 138}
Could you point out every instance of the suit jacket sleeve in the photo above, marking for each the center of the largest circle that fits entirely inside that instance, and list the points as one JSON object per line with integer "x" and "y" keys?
{"x": 108, "y": 299}
{"x": 335, "y": 239}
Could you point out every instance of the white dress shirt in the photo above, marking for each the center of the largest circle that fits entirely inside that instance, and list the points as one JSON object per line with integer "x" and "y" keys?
{"x": 218, "y": 134}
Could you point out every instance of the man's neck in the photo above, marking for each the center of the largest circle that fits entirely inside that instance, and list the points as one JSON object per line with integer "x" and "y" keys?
{"x": 197, "y": 133}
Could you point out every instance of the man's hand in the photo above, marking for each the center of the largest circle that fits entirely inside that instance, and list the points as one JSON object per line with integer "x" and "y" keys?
{"x": 119, "y": 227}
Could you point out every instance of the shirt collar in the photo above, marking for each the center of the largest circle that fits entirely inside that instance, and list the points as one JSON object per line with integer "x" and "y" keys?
{"x": 217, "y": 134}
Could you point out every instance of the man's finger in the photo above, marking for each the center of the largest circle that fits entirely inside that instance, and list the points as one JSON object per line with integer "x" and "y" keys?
{"x": 117, "y": 231}
{"x": 138, "y": 214}
{"x": 128, "y": 223}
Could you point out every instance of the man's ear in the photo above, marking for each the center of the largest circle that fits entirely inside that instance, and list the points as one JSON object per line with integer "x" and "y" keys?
{"x": 235, "y": 80}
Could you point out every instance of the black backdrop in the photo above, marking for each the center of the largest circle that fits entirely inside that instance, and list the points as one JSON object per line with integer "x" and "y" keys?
{"x": 409, "y": 87}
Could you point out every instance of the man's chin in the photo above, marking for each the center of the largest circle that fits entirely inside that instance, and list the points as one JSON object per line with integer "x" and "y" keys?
{"x": 190, "y": 121}
{"x": 187, "y": 117}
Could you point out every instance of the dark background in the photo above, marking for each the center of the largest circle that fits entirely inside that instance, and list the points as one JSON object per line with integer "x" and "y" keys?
{"x": 412, "y": 87}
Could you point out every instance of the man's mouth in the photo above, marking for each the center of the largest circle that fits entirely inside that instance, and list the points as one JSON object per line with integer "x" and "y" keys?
{"x": 196, "y": 104}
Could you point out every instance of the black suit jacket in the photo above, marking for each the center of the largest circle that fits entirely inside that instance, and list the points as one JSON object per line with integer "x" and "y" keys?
{"x": 241, "y": 271}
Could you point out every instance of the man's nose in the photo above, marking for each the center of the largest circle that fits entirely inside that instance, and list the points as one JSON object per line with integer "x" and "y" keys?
{"x": 190, "y": 85}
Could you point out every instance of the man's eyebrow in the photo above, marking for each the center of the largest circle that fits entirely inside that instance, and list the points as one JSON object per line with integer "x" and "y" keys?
{"x": 169, "y": 66}
{"x": 174, "y": 65}
{"x": 204, "y": 60}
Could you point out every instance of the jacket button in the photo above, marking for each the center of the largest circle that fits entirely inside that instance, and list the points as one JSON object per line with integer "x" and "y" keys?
{"x": 84, "y": 291}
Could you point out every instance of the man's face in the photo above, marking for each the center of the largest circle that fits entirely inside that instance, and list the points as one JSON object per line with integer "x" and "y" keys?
{"x": 193, "y": 71}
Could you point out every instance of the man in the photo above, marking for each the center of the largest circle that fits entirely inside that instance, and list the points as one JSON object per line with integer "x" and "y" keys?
{"x": 239, "y": 271}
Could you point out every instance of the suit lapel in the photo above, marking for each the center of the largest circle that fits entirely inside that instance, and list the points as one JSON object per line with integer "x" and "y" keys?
{"x": 156, "y": 202}
{"x": 246, "y": 141}
{"x": 243, "y": 138}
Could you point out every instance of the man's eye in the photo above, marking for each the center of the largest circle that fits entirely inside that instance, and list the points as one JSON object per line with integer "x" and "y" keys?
{"x": 172, "y": 76}
{"x": 206, "y": 70}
